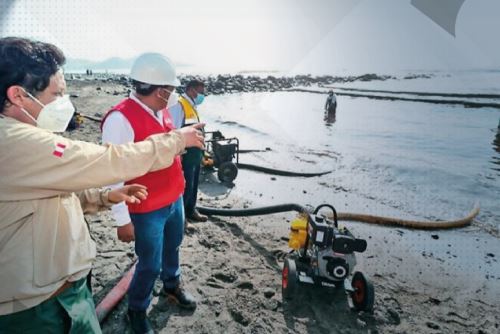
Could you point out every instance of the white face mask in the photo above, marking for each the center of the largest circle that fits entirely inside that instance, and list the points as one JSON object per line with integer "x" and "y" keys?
{"x": 54, "y": 116}
{"x": 173, "y": 99}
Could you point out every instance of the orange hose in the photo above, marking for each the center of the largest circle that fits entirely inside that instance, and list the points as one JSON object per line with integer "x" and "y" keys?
{"x": 416, "y": 224}
{"x": 115, "y": 295}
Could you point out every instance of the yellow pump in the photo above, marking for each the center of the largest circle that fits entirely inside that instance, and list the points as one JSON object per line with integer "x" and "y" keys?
{"x": 298, "y": 233}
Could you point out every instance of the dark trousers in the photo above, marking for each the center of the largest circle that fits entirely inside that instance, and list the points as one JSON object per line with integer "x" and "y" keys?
{"x": 191, "y": 175}
{"x": 332, "y": 108}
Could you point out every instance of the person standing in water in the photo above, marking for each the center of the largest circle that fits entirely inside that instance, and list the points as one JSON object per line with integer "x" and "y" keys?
{"x": 331, "y": 103}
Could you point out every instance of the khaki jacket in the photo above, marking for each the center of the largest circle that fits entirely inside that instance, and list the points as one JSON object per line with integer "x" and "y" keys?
{"x": 44, "y": 240}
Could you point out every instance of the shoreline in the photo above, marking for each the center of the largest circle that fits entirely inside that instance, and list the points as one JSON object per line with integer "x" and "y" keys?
{"x": 230, "y": 84}
{"x": 222, "y": 84}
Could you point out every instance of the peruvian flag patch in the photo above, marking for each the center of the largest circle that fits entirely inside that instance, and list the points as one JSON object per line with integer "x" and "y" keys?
{"x": 58, "y": 152}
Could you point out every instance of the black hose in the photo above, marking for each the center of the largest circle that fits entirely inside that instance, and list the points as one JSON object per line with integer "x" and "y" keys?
{"x": 252, "y": 151}
{"x": 265, "y": 210}
{"x": 343, "y": 216}
{"x": 278, "y": 171}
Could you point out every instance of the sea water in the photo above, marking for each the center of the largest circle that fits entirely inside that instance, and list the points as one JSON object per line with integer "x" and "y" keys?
{"x": 410, "y": 159}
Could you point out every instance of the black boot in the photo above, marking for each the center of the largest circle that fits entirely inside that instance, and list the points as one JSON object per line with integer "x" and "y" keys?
{"x": 180, "y": 297}
{"x": 139, "y": 322}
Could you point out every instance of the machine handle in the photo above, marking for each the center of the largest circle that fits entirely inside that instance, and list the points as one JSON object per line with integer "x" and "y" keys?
{"x": 319, "y": 207}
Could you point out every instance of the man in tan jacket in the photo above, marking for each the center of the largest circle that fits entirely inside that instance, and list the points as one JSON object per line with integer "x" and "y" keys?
{"x": 45, "y": 247}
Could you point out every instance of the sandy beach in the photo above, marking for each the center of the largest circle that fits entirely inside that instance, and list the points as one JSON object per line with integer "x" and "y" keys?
{"x": 442, "y": 281}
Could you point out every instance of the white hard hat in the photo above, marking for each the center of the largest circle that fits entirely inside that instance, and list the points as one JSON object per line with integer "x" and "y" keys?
{"x": 154, "y": 69}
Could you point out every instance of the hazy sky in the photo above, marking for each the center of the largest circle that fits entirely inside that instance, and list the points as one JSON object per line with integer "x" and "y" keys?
{"x": 315, "y": 36}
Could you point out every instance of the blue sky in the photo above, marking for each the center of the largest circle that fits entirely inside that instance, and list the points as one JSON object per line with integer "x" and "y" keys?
{"x": 316, "y": 36}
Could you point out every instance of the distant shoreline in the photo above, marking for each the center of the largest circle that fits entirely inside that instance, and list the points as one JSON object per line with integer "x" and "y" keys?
{"x": 230, "y": 84}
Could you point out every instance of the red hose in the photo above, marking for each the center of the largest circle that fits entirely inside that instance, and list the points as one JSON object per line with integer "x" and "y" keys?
{"x": 114, "y": 296}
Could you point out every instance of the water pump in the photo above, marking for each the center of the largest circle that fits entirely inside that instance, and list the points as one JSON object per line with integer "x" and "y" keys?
{"x": 323, "y": 254}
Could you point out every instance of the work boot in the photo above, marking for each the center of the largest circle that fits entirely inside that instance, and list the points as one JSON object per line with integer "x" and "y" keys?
{"x": 197, "y": 216}
{"x": 139, "y": 322}
{"x": 179, "y": 296}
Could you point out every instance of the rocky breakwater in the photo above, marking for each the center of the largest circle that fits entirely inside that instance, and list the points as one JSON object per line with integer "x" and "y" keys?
{"x": 229, "y": 84}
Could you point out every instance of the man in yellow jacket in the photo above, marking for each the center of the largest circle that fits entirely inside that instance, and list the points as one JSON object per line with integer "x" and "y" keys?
{"x": 45, "y": 247}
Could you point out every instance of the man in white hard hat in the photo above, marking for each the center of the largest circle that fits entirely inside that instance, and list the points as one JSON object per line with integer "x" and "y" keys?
{"x": 157, "y": 223}
{"x": 45, "y": 247}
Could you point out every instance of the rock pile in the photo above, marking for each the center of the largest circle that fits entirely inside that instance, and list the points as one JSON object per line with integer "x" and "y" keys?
{"x": 229, "y": 84}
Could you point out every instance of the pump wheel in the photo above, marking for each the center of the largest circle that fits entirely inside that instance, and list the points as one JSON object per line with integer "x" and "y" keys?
{"x": 227, "y": 172}
{"x": 289, "y": 279}
{"x": 363, "y": 295}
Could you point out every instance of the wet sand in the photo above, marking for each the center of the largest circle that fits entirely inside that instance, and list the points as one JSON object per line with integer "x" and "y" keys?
{"x": 424, "y": 281}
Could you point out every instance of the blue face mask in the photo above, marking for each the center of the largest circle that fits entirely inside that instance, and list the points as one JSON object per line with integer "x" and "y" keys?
{"x": 199, "y": 99}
